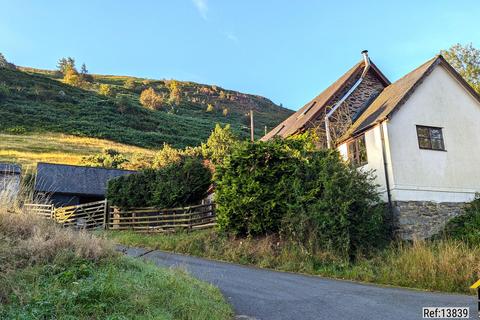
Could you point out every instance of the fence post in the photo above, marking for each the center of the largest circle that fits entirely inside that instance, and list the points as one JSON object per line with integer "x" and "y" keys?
{"x": 116, "y": 218}
{"x": 105, "y": 215}
{"x": 52, "y": 212}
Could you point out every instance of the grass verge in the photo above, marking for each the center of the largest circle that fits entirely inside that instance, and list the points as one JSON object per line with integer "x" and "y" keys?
{"x": 51, "y": 273}
{"x": 442, "y": 265}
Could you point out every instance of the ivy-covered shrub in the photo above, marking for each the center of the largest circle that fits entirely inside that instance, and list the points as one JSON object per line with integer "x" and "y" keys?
{"x": 175, "y": 185}
{"x": 467, "y": 226}
{"x": 308, "y": 196}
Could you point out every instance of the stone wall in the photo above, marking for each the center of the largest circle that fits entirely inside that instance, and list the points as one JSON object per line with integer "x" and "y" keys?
{"x": 423, "y": 219}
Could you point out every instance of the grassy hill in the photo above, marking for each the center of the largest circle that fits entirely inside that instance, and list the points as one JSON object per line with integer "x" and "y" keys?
{"x": 28, "y": 149}
{"x": 36, "y": 101}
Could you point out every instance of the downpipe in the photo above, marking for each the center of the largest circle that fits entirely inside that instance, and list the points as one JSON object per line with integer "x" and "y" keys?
{"x": 366, "y": 59}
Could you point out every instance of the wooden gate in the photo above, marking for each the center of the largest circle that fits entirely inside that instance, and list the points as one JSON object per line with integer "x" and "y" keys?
{"x": 84, "y": 216}
{"x": 43, "y": 210}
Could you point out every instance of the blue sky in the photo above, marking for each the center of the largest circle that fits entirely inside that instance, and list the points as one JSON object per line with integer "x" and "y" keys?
{"x": 285, "y": 50}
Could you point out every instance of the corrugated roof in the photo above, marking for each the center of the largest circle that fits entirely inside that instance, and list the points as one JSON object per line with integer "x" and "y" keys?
{"x": 310, "y": 111}
{"x": 61, "y": 178}
{"x": 10, "y": 168}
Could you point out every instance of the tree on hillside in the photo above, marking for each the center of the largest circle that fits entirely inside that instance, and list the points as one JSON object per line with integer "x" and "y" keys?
{"x": 129, "y": 84}
{"x": 225, "y": 112}
{"x": 4, "y": 63}
{"x": 175, "y": 92}
{"x": 219, "y": 144}
{"x": 71, "y": 77}
{"x": 210, "y": 108}
{"x": 151, "y": 99}
{"x": 84, "y": 75}
{"x": 65, "y": 64}
{"x": 466, "y": 60}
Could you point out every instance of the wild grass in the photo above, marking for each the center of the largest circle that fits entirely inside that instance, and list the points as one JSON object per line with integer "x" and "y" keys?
{"x": 29, "y": 149}
{"x": 441, "y": 265}
{"x": 48, "y": 272}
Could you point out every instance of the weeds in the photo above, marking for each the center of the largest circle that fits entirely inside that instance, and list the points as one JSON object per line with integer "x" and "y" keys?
{"x": 442, "y": 265}
{"x": 47, "y": 272}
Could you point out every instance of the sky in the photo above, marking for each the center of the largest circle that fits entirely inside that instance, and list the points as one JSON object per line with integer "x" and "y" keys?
{"x": 287, "y": 51}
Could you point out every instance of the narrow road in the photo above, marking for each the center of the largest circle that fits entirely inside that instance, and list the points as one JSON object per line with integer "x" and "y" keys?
{"x": 264, "y": 294}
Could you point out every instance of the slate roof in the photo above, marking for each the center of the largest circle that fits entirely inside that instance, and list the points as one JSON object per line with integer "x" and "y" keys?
{"x": 395, "y": 95}
{"x": 297, "y": 121}
{"x": 10, "y": 168}
{"x": 61, "y": 178}
{"x": 392, "y": 97}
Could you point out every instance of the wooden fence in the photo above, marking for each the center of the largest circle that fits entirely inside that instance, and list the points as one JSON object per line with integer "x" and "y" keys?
{"x": 162, "y": 220}
{"x": 43, "y": 210}
{"x": 100, "y": 215}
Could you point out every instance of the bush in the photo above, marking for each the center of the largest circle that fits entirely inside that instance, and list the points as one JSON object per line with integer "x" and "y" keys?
{"x": 150, "y": 99}
{"x": 467, "y": 226}
{"x": 311, "y": 197}
{"x": 123, "y": 103}
{"x": 17, "y": 130}
{"x": 130, "y": 84}
{"x": 105, "y": 90}
{"x": 166, "y": 156}
{"x": 178, "y": 184}
{"x": 109, "y": 158}
{"x": 4, "y": 91}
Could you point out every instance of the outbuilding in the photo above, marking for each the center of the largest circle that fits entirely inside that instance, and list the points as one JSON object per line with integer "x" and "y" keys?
{"x": 66, "y": 185}
{"x": 9, "y": 179}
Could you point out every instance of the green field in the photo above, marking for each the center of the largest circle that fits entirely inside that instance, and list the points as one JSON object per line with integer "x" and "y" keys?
{"x": 38, "y": 101}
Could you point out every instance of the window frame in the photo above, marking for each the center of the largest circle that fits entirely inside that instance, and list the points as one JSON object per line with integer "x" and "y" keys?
{"x": 355, "y": 158}
{"x": 430, "y": 138}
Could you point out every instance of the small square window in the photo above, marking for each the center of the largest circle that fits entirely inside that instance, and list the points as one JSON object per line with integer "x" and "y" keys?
{"x": 357, "y": 151}
{"x": 430, "y": 138}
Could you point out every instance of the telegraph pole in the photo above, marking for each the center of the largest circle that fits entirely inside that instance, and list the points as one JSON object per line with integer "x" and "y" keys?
{"x": 252, "y": 137}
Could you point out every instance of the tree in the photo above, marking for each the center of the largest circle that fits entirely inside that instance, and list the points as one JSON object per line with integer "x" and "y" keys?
{"x": 166, "y": 156}
{"x": 71, "y": 77}
{"x": 4, "y": 63}
{"x": 151, "y": 99}
{"x": 210, "y": 108}
{"x": 84, "y": 75}
{"x": 466, "y": 60}
{"x": 130, "y": 84}
{"x": 178, "y": 184}
{"x": 225, "y": 112}
{"x": 219, "y": 144}
{"x": 105, "y": 90}
{"x": 311, "y": 197}
{"x": 65, "y": 64}
{"x": 109, "y": 158}
{"x": 175, "y": 92}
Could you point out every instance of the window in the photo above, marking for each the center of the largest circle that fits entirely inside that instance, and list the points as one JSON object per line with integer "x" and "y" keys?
{"x": 430, "y": 138}
{"x": 357, "y": 151}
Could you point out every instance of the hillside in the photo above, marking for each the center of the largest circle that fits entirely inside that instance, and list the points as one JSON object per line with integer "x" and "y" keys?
{"x": 28, "y": 149}
{"x": 33, "y": 101}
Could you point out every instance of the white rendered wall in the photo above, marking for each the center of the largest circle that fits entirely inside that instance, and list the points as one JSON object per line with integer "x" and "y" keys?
{"x": 427, "y": 175}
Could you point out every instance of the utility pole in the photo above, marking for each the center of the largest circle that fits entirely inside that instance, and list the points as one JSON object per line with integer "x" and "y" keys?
{"x": 252, "y": 137}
